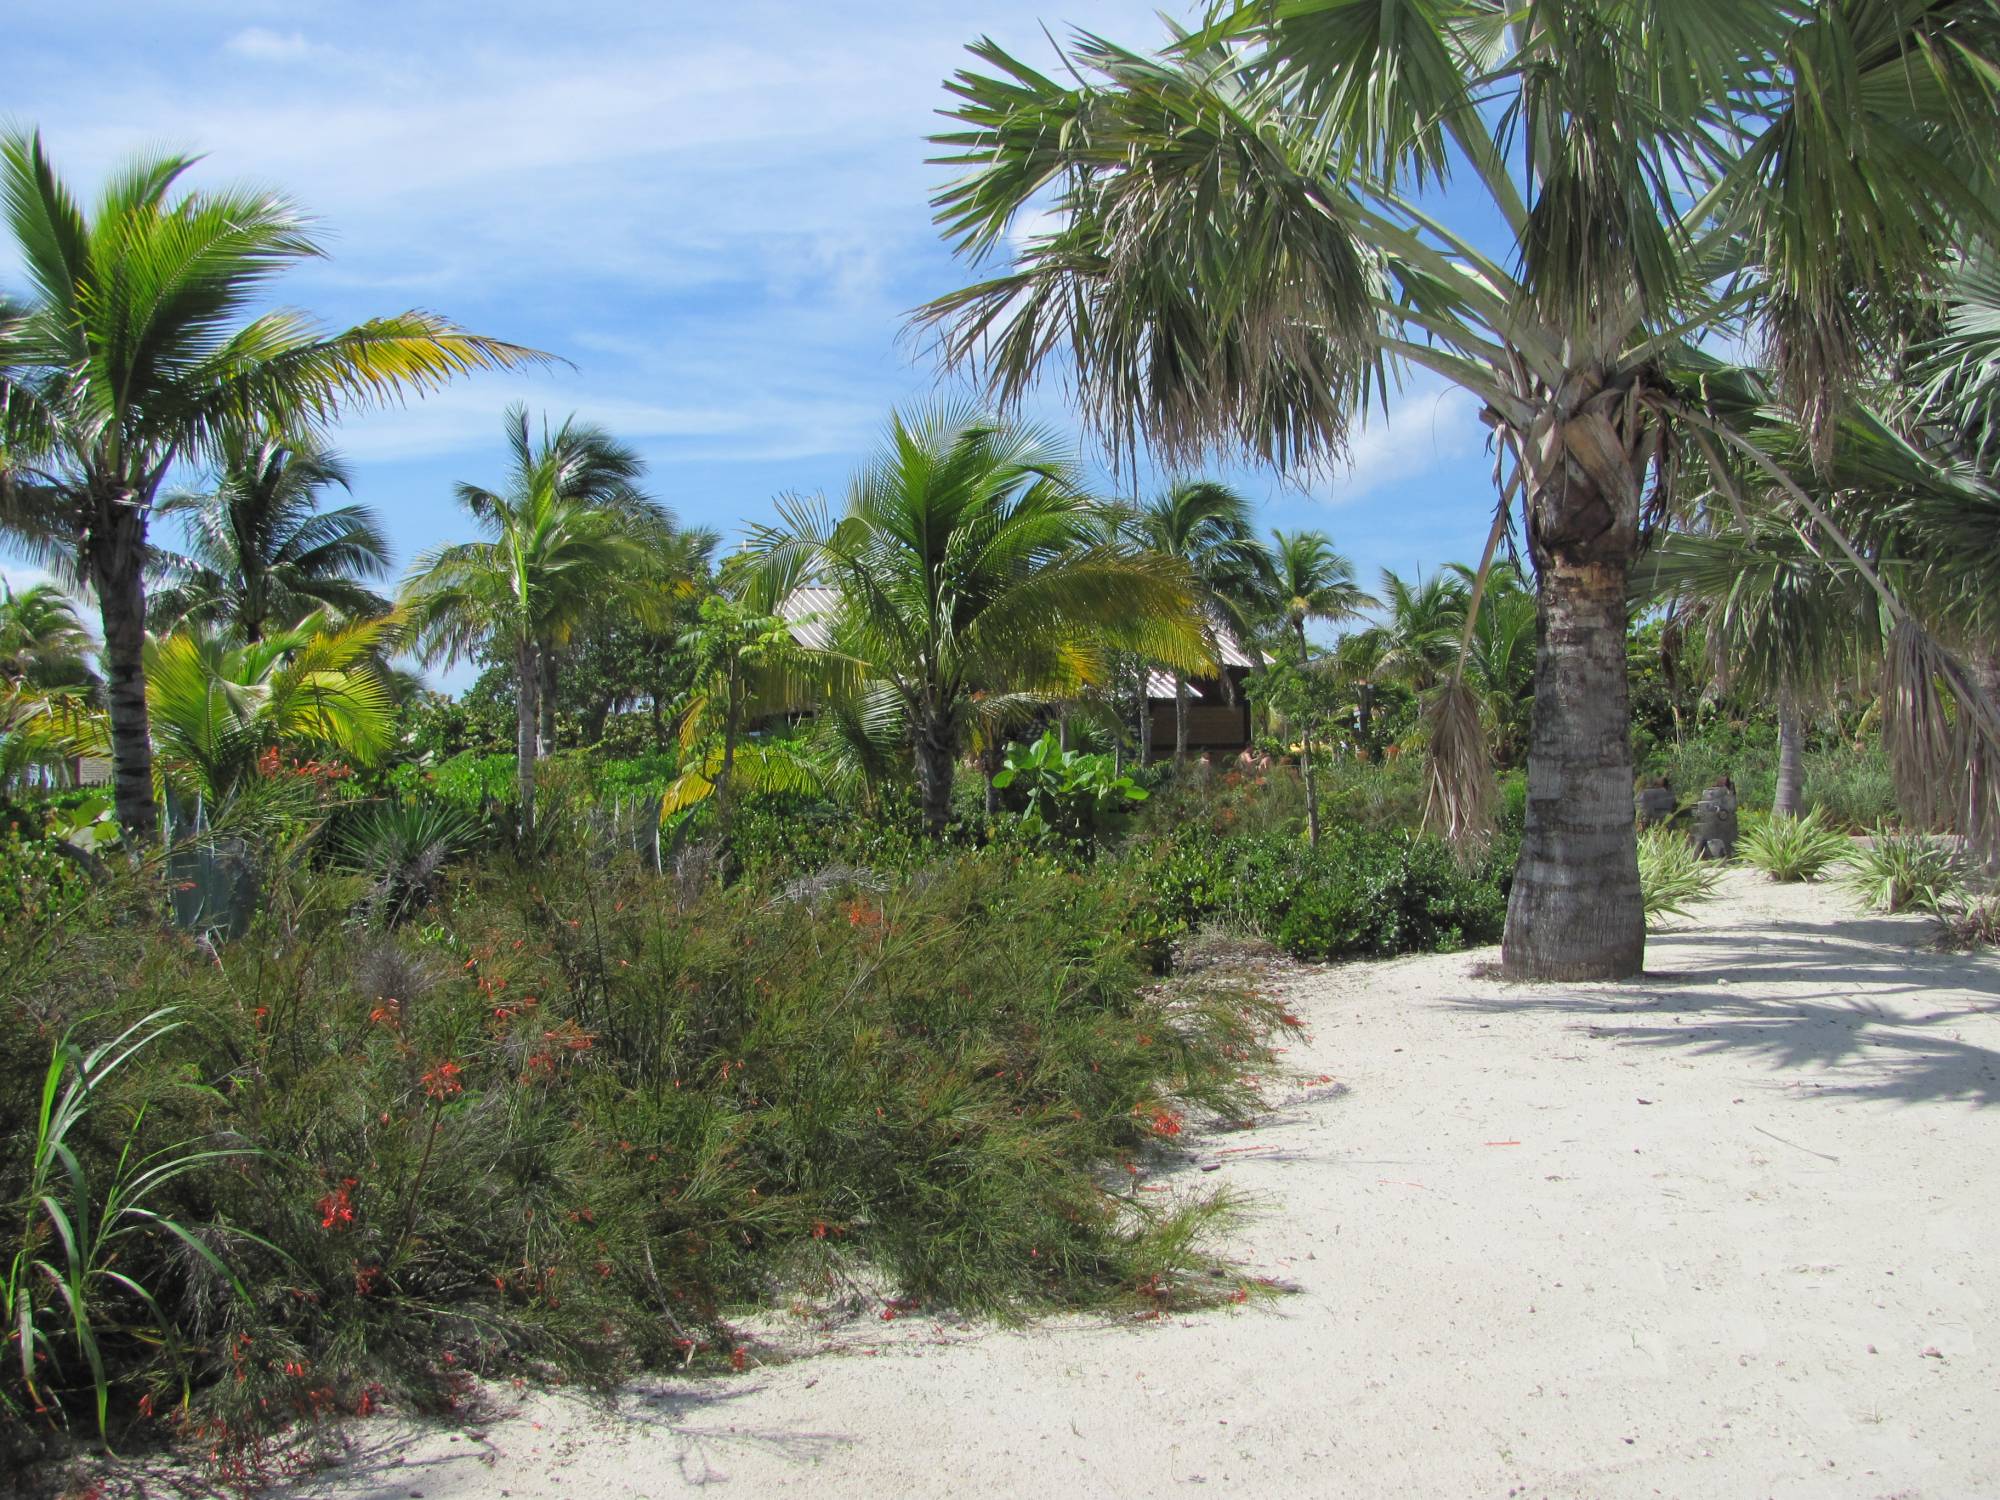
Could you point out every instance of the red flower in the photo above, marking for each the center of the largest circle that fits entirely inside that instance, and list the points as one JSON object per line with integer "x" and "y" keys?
{"x": 336, "y": 1209}
{"x": 365, "y": 1278}
{"x": 443, "y": 1081}
{"x": 736, "y": 1358}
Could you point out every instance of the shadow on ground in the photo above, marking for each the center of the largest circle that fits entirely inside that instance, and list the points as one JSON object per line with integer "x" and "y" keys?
{"x": 1882, "y": 1019}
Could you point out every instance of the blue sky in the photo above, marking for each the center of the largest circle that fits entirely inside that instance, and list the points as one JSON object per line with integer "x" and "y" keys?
{"x": 719, "y": 216}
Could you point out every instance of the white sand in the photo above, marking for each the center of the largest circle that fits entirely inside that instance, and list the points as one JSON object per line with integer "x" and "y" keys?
{"x": 1727, "y": 1231}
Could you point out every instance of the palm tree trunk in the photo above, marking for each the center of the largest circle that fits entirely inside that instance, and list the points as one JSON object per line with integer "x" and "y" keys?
{"x": 1180, "y": 717}
{"x": 115, "y": 550}
{"x": 1789, "y": 798}
{"x": 1312, "y": 791}
{"x": 1575, "y": 911}
{"x": 547, "y": 737}
{"x": 528, "y": 677}
{"x": 1364, "y": 698}
{"x": 935, "y": 764}
{"x": 1145, "y": 714}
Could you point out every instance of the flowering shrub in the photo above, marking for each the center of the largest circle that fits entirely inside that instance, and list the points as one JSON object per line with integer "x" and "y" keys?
{"x": 569, "y": 1118}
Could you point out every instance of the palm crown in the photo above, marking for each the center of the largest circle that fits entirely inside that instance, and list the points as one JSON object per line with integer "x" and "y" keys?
{"x": 136, "y": 349}
{"x": 262, "y": 555}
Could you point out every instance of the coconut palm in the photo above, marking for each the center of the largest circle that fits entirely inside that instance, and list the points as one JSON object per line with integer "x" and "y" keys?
{"x": 134, "y": 351}
{"x": 1311, "y": 580}
{"x": 578, "y": 463}
{"x": 1239, "y": 257}
{"x": 972, "y": 572}
{"x": 219, "y": 705}
{"x": 262, "y": 555}
{"x": 551, "y": 557}
{"x": 1206, "y": 526}
{"x": 1420, "y": 627}
{"x": 43, "y": 644}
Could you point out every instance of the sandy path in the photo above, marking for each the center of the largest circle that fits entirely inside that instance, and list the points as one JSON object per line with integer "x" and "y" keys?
{"x": 1728, "y": 1231}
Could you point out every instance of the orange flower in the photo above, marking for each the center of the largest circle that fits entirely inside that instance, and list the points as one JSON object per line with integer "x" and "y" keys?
{"x": 442, "y": 1081}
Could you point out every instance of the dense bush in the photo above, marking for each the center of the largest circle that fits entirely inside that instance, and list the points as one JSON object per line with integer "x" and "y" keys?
{"x": 1852, "y": 788}
{"x": 1361, "y": 894}
{"x": 573, "y": 1117}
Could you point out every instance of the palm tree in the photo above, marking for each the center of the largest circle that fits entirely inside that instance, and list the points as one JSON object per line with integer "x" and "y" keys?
{"x": 1421, "y": 624}
{"x": 1240, "y": 258}
{"x": 132, "y": 353}
{"x": 219, "y": 705}
{"x": 43, "y": 644}
{"x": 972, "y": 572}
{"x": 1311, "y": 580}
{"x": 262, "y": 554}
{"x": 1205, "y": 525}
{"x": 551, "y": 557}
{"x": 579, "y": 463}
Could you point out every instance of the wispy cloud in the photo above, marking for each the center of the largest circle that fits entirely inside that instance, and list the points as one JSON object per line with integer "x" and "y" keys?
{"x": 261, "y": 44}
{"x": 1430, "y": 425}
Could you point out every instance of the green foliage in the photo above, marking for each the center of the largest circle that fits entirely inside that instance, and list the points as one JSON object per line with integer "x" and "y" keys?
{"x": 34, "y": 878}
{"x": 1904, "y": 871}
{"x": 1795, "y": 848}
{"x": 1851, "y": 786}
{"x": 1072, "y": 795}
{"x": 1361, "y": 894}
{"x": 1672, "y": 873}
{"x": 69, "y": 1291}
{"x": 580, "y": 1113}
{"x": 401, "y": 850}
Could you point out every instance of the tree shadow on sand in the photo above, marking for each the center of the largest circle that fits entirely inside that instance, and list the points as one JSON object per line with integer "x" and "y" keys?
{"x": 1884, "y": 1021}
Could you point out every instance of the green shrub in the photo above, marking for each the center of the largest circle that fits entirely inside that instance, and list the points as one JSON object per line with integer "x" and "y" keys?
{"x": 579, "y": 1114}
{"x": 1794, "y": 848}
{"x": 1361, "y": 894}
{"x": 1672, "y": 873}
{"x": 1898, "y": 871}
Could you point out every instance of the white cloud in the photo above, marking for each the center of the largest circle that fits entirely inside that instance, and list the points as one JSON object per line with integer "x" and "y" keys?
{"x": 261, "y": 44}
{"x": 1429, "y": 425}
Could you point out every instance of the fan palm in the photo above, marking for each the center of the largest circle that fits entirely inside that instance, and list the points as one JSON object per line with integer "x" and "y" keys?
{"x": 971, "y": 569}
{"x": 1239, "y": 257}
{"x": 131, "y": 353}
{"x": 262, "y": 554}
{"x": 43, "y": 644}
{"x": 1206, "y": 526}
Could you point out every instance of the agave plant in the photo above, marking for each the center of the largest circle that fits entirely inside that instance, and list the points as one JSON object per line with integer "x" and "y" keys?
{"x": 1904, "y": 871}
{"x": 1792, "y": 849}
{"x": 403, "y": 850}
{"x": 1672, "y": 874}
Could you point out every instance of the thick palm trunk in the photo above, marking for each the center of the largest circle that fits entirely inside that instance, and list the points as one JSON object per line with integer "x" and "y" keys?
{"x": 1788, "y": 799}
{"x": 935, "y": 763}
{"x": 526, "y": 717}
{"x": 1364, "y": 698}
{"x": 547, "y": 736}
{"x": 1575, "y": 912}
{"x": 115, "y": 550}
{"x": 1180, "y": 717}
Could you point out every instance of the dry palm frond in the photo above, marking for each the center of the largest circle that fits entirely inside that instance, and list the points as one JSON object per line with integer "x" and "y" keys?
{"x": 1463, "y": 797}
{"x": 1943, "y": 742}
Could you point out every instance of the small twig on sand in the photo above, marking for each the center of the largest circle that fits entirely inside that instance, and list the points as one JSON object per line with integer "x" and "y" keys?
{"x": 1796, "y": 1146}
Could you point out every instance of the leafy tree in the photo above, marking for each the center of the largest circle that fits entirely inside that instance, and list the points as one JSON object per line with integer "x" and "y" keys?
{"x": 262, "y": 555}
{"x": 131, "y": 353}
{"x": 972, "y": 572}
{"x": 1240, "y": 257}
